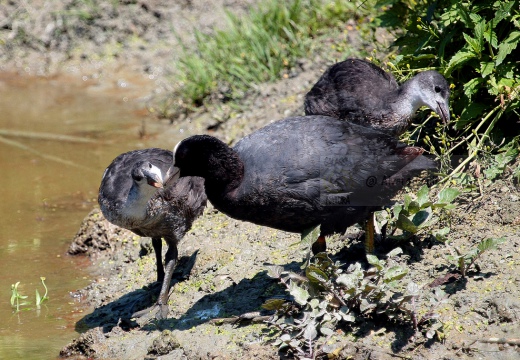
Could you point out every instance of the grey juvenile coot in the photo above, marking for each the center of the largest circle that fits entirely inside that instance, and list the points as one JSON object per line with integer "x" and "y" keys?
{"x": 137, "y": 193}
{"x": 361, "y": 92}
{"x": 300, "y": 172}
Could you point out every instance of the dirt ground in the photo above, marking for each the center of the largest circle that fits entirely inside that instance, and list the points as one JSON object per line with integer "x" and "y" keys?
{"x": 222, "y": 270}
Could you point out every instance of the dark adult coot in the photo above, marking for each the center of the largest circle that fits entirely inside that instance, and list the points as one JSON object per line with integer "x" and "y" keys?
{"x": 361, "y": 92}
{"x": 138, "y": 193}
{"x": 301, "y": 172}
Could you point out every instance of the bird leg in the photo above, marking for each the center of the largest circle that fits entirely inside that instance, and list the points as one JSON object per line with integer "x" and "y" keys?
{"x": 369, "y": 234}
{"x": 171, "y": 260}
{"x": 162, "y": 302}
{"x": 319, "y": 245}
{"x": 157, "y": 247}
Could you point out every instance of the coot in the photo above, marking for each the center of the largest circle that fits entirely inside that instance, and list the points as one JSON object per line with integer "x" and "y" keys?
{"x": 361, "y": 92}
{"x": 300, "y": 172}
{"x": 138, "y": 193}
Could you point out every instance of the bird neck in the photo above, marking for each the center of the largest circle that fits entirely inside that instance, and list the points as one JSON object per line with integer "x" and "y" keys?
{"x": 136, "y": 204}
{"x": 409, "y": 98}
{"x": 225, "y": 172}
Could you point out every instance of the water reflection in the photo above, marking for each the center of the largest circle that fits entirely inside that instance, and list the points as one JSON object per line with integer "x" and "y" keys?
{"x": 48, "y": 183}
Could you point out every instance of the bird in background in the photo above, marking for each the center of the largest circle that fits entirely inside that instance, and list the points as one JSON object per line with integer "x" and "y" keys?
{"x": 358, "y": 91}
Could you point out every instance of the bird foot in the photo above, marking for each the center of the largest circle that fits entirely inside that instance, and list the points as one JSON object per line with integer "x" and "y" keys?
{"x": 157, "y": 311}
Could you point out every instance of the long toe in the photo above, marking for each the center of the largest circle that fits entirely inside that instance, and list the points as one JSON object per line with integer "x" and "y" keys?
{"x": 148, "y": 313}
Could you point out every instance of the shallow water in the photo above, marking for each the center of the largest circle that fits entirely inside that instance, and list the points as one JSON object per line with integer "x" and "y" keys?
{"x": 47, "y": 185}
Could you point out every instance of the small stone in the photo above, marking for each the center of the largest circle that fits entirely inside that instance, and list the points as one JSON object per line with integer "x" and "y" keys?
{"x": 163, "y": 344}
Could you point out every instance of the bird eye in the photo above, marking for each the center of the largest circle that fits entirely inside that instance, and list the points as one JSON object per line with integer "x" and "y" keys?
{"x": 438, "y": 89}
{"x": 137, "y": 178}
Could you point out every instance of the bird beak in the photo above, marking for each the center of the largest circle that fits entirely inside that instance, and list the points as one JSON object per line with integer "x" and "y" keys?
{"x": 444, "y": 112}
{"x": 154, "y": 181}
{"x": 154, "y": 177}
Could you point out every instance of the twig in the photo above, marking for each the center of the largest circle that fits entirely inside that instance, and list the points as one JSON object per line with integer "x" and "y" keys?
{"x": 251, "y": 317}
{"x": 495, "y": 340}
{"x": 480, "y": 143}
{"x": 46, "y": 136}
{"x": 45, "y": 156}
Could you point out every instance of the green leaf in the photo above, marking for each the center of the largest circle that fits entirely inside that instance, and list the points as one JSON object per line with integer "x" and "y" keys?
{"x": 490, "y": 243}
{"x": 365, "y": 306}
{"x": 397, "y": 209}
{"x": 394, "y": 252}
{"x": 458, "y": 59}
{"x": 493, "y": 172}
{"x": 486, "y": 68}
{"x": 476, "y": 18}
{"x": 470, "y": 112}
{"x": 374, "y": 261}
{"x": 473, "y": 43}
{"x": 421, "y": 217}
{"x": 395, "y": 273}
{"x": 314, "y": 303}
{"x": 503, "y": 11}
{"x": 413, "y": 207}
{"x": 407, "y": 201}
{"x": 507, "y": 156}
{"x": 310, "y": 332}
{"x": 480, "y": 27}
{"x": 274, "y": 271}
{"x": 472, "y": 86}
{"x": 507, "y": 46}
{"x": 300, "y": 294}
{"x": 343, "y": 311}
{"x": 491, "y": 37}
{"x": 38, "y": 299}
{"x": 446, "y": 196}
{"x": 406, "y": 224}
{"x": 422, "y": 195}
{"x": 309, "y": 236}
{"x": 273, "y": 304}
{"x": 349, "y": 281}
{"x": 315, "y": 274}
{"x": 441, "y": 234}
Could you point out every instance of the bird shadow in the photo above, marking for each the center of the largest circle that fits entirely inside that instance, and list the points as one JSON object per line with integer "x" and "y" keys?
{"x": 119, "y": 311}
{"x": 244, "y": 296}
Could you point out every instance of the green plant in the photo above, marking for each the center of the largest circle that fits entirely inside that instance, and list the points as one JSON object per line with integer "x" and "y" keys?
{"x": 326, "y": 296}
{"x": 418, "y": 215}
{"x": 18, "y": 300}
{"x": 466, "y": 260}
{"x": 498, "y": 163}
{"x": 473, "y": 43}
{"x": 257, "y": 48}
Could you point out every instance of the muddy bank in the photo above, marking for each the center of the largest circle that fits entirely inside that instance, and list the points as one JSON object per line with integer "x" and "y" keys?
{"x": 47, "y": 37}
{"x": 222, "y": 273}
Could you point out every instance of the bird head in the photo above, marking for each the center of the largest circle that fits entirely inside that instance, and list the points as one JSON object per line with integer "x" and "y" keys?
{"x": 434, "y": 92}
{"x": 144, "y": 172}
